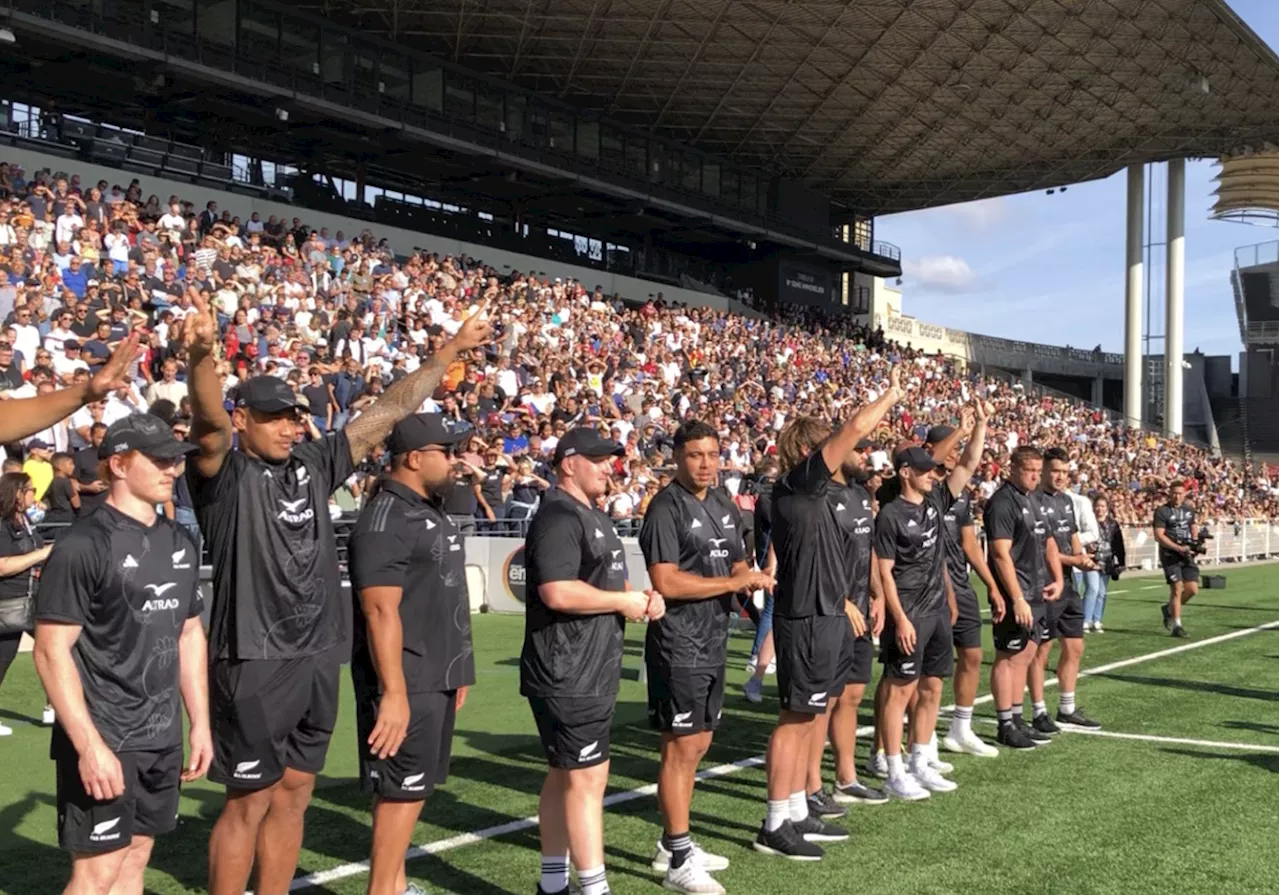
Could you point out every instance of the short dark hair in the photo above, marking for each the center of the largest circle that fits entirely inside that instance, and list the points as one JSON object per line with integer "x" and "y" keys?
{"x": 693, "y": 430}
{"x": 1057, "y": 453}
{"x": 1023, "y": 455}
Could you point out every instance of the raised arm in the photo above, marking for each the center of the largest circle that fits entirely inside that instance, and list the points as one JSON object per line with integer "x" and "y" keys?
{"x": 210, "y": 422}
{"x": 406, "y": 395}
{"x": 861, "y": 424}
{"x": 972, "y": 454}
{"x": 27, "y": 416}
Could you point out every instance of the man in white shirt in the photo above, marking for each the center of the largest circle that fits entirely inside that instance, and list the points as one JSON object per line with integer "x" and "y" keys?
{"x": 168, "y": 388}
{"x": 67, "y": 360}
{"x": 173, "y": 220}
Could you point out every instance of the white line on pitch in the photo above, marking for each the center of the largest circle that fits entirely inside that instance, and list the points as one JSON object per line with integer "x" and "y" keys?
{"x": 1152, "y": 587}
{"x": 1152, "y": 738}
{"x": 343, "y": 871}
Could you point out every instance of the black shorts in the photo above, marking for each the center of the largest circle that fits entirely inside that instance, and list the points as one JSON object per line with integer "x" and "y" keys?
{"x": 1179, "y": 569}
{"x": 855, "y": 661}
{"x": 933, "y": 656}
{"x": 808, "y": 655}
{"x": 574, "y": 730}
{"x": 966, "y": 633}
{"x": 1011, "y": 637}
{"x": 149, "y": 806}
{"x": 422, "y": 761}
{"x": 1064, "y": 617}
{"x": 269, "y": 715}
{"x": 685, "y": 700}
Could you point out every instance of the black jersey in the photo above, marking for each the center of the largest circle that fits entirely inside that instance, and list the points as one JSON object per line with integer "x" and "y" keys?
{"x": 131, "y": 589}
{"x": 703, "y": 537}
{"x": 1059, "y": 514}
{"x": 1176, "y": 522}
{"x": 851, "y": 505}
{"x": 404, "y": 540}
{"x": 812, "y": 574}
{"x": 910, "y": 534}
{"x": 1011, "y": 515}
{"x": 958, "y": 516}
{"x": 276, "y": 589}
{"x": 571, "y": 655}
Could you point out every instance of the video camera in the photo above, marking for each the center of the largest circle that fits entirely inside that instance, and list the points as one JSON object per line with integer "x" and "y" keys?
{"x": 1197, "y": 545}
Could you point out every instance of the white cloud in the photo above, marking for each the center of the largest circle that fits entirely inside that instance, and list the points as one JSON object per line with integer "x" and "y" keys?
{"x": 942, "y": 273}
{"x": 982, "y": 215}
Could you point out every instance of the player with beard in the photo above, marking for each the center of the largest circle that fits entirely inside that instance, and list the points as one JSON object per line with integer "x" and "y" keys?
{"x": 810, "y": 623}
{"x": 1065, "y": 616}
{"x": 279, "y": 625}
{"x": 412, "y": 659}
{"x": 577, "y": 603}
{"x": 960, "y": 540}
{"x": 118, "y": 643}
{"x": 1174, "y": 528}
{"x": 693, "y": 547}
{"x": 852, "y": 507}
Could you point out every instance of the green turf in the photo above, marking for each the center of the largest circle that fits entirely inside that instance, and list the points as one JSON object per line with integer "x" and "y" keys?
{"x": 1084, "y": 815}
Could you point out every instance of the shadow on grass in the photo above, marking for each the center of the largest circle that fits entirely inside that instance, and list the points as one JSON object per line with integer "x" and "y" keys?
{"x": 1253, "y": 726}
{"x": 1267, "y": 761}
{"x": 1194, "y": 686}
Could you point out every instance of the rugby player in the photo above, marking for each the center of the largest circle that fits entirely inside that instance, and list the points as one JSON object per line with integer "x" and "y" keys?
{"x": 578, "y": 601}
{"x": 1028, "y": 575}
{"x": 1174, "y": 527}
{"x": 279, "y": 625}
{"x": 810, "y": 623}
{"x": 118, "y": 643}
{"x": 1064, "y": 617}
{"x": 412, "y": 659}
{"x": 693, "y": 548}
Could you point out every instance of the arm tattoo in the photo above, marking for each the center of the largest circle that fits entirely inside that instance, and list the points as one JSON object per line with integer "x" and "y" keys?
{"x": 400, "y": 400}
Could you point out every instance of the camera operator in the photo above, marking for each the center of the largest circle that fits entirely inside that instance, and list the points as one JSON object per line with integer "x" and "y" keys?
{"x": 1174, "y": 528}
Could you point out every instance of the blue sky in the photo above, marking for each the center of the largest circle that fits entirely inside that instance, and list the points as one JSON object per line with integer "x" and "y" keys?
{"x": 1051, "y": 268}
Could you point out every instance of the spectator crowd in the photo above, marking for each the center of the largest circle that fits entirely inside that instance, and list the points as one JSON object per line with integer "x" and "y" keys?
{"x": 341, "y": 316}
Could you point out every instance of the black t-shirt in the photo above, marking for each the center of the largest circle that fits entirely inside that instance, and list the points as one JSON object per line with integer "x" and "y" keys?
{"x": 703, "y": 537}
{"x": 1011, "y": 515}
{"x": 491, "y": 487}
{"x": 851, "y": 505}
{"x": 18, "y": 539}
{"x": 1176, "y": 522}
{"x": 459, "y": 495}
{"x": 59, "y": 499}
{"x": 276, "y": 590}
{"x": 11, "y": 378}
{"x": 571, "y": 655}
{"x": 317, "y": 399}
{"x": 959, "y": 515}
{"x": 1059, "y": 514}
{"x": 812, "y": 575}
{"x": 86, "y": 460}
{"x": 405, "y": 540}
{"x": 910, "y": 535}
{"x": 131, "y": 589}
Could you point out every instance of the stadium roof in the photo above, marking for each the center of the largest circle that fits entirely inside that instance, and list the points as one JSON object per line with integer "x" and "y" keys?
{"x": 885, "y": 105}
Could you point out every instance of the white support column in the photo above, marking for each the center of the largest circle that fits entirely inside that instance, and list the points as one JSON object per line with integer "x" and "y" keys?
{"x": 1175, "y": 269}
{"x": 1133, "y": 298}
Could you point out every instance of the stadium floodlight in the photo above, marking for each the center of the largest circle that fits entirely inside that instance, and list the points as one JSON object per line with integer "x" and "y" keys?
{"x": 282, "y": 114}
{"x": 7, "y": 36}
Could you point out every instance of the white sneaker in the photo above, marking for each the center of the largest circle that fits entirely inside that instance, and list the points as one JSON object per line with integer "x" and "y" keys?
{"x": 691, "y": 877}
{"x": 751, "y": 664}
{"x": 771, "y": 668}
{"x": 48, "y": 717}
{"x": 1097, "y": 627}
{"x": 942, "y": 767}
{"x": 662, "y": 859}
{"x": 930, "y": 779}
{"x": 905, "y": 788}
{"x": 5, "y": 730}
{"x": 969, "y": 744}
{"x": 877, "y": 765}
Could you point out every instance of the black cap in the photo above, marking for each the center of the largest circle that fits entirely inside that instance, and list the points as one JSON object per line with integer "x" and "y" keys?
{"x": 70, "y": 345}
{"x": 938, "y": 434}
{"x": 269, "y": 394}
{"x": 917, "y": 458}
{"x": 864, "y": 444}
{"x": 585, "y": 442}
{"x": 146, "y": 433}
{"x": 413, "y": 433}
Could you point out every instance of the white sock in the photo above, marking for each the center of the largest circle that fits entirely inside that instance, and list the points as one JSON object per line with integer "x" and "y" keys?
{"x": 555, "y": 873}
{"x": 933, "y": 746}
{"x": 1177, "y": 621}
{"x": 896, "y": 770}
{"x": 799, "y": 803}
{"x": 962, "y": 722}
{"x": 919, "y": 755}
{"x": 593, "y": 881}
{"x": 779, "y": 812}
{"x": 1067, "y": 702}
{"x": 1039, "y": 709}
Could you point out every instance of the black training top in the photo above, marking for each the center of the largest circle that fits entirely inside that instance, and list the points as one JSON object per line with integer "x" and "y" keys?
{"x": 571, "y": 655}
{"x": 1176, "y": 522}
{"x": 1011, "y": 515}
{"x": 17, "y": 538}
{"x": 851, "y": 505}
{"x": 812, "y": 574}
{"x": 131, "y": 589}
{"x": 1059, "y": 514}
{"x": 959, "y": 515}
{"x": 276, "y": 590}
{"x": 405, "y": 540}
{"x": 703, "y": 537}
{"x": 910, "y": 535}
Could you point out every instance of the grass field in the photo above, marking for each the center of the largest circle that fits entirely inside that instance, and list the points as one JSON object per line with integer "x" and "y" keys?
{"x": 1192, "y": 812}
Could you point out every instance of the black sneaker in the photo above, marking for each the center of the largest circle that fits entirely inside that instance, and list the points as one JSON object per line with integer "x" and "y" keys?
{"x": 821, "y": 804}
{"x": 1166, "y": 615}
{"x": 1036, "y": 737}
{"x": 1044, "y": 724}
{"x": 1078, "y": 719}
{"x": 814, "y": 829}
{"x": 786, "y": 842}
{"x": 1180, "y": 632}
{"x": 1014, "y": 737}
{"x": 857, "y": 794}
